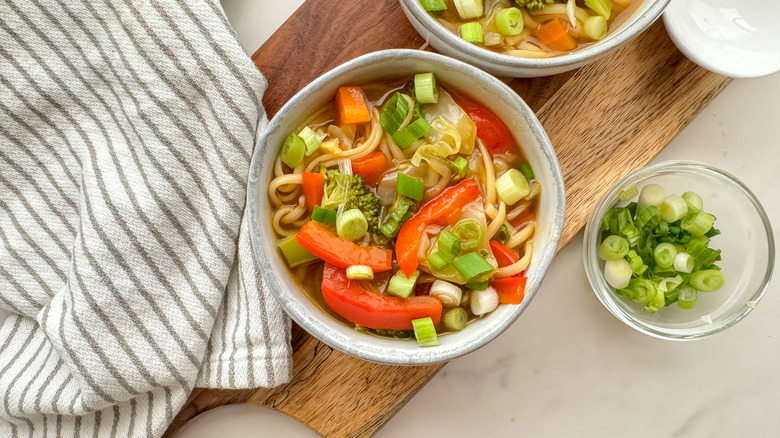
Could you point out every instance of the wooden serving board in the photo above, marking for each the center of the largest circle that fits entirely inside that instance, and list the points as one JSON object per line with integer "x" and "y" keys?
{"x": 604, "y": 120}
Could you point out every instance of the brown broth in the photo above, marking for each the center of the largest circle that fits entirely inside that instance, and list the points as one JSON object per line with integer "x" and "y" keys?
{"x": 309, "y": 276}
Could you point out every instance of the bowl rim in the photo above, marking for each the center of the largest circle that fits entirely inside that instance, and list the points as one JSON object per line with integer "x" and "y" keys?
{"x": 608, "y": 298}
{"x": 349, "y": 344}
{"x": 622, "y": 35}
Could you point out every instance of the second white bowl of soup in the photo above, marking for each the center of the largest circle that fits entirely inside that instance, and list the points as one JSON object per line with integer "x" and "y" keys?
{"x": 396, "y": 216}
{"x": 530, "y": 38}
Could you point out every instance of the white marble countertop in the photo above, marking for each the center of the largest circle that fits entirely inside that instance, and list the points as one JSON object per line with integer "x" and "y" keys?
{"x": 567, "y": 367}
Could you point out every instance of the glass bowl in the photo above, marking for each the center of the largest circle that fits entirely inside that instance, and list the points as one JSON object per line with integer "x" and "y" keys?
{"x": 746, "y": 241}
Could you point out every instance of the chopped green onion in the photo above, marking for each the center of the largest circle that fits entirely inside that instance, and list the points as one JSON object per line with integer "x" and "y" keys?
{"x": 411, "y": 133}
{"x": 483, "y": 301}
{"x": 512, "y": 186}
{"x": 639, "y": 289}
{"x": 438, "y": 260}
{"x": 686, "y": 297}
{"x": 694, "y": 201}
{"x": 502, "y": 235}
{"x": 683, "y": 262}
{"x": 311, "y": 140}
{"x": 509, "y": 21}
{"x": 664, "y": 255}
{"x": 294, "y": 253}
{"x": 410, "y": 186}
{"x": 455, "y": 319}
{"x": 613, "y": 248}
{"x": 425, "y": 332}
{"x": 478, "y": 285}
{"x": 651, "y": 194}
{"x": 527, "y": 171}
{"x": 433, "y": 5}
{"x": 617, "y": 273}
{"x": 698, "y": 223}
{"x": 448, "y": 244}
{"x": 471, "y": 32}
{"x": 293, "y": 151}
{"x": 466, "y": 297}
{"x": 471, "y": 265}
{"x": 595, "y": 27}
{"x": 352, "y": 224}
{"x": 397, "y": 217}
{"x": 469, "y": 232}
{"x": 707, "y": 280}
{"x": 394, "y": 113}
{"x": 601, "y": 7}
{"x": 323, "y": 215}
{"x": 628, "y": 192}
{"x": 425, "y": 88}
{"x": 402, "y": 286}
{"x": 468, "y": 9}
{"x": 673, "y": 208}
{"x": 638, "y": 267}
{"x": 461, "y": 166}
{"x": 446, "y": 292}
{"x": 668, "y": 284}
{"x": 360, "y": 272}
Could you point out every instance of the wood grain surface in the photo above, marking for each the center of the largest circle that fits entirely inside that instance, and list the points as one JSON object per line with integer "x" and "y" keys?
{"x": 604, "y": 120}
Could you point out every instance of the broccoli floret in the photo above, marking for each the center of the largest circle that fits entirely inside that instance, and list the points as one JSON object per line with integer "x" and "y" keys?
{"x": 534, "y": 5}
{"x": 350, "y": 191}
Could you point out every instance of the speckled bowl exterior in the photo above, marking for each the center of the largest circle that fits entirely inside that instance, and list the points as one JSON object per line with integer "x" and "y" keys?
{"x": 374, "y": 66}
{"x": 499, "y": 64}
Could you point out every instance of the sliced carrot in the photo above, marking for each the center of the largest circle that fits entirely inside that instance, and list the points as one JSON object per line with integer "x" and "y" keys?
{"x": 371, "y": 167}
{"x": 555, "y": 36}
{"x": 351, "y": 106}
{"x": 511, "y": 290}
{"x": 313, "y": 189}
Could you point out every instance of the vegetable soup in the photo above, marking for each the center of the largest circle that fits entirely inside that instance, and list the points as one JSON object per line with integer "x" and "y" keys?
{"x": 405, "y": 209}
{"x": 531, "y": 28}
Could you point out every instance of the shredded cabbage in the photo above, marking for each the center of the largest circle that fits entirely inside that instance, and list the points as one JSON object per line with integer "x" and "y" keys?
{"x": 453, "y": 132}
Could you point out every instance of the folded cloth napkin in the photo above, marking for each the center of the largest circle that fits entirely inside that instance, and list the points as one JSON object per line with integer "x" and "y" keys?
{"x": 126, "y": 131}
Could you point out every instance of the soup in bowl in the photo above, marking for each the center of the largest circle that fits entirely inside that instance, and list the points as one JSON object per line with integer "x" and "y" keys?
{"x": 530, "y": 38}
{"x": 398, "y": 218}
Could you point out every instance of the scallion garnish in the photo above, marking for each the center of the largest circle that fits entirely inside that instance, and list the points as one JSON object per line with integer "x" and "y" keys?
{"x": 433, "y": 5}
{"x": 471, "y": 32}
{"x": 293, "y": 150}
{"x": 438, "y": 260}
{"x": 448, "y": 244}
{"x": 509, "y": 21}
{"x": 469, "y": 232}
{"x": 360, "y": 272}
{"x": 323, "y": 215}
{"x": 512, "y": 186}
{"x": 455, "y": 319}
{"x": 668, "y": 258}
{"x": 461, "y": 167}
{"x": 425, "y": 332}
{"x": 425, "y": 90}
{"x": 411, "y": 133}
{"x": 402, "y": 286}
{"x": 471, "y": 265}
{"x": 311, "y": 140}
{"x": 410, "y": 186}
{"x": 502, "y": 235}
{"x": 393, "y": 113}
{"x": 527, "y": 171}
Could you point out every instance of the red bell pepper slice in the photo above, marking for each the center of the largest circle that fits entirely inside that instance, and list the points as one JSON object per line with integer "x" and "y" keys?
{"x": 444, "y": 209}
{"x": 350, "y": 300}
{"x": 313, "y": 189}
{"x": 341, "y": 252}
{"x": 490, "y": 129}
{"x": 504, "y": 256}
{"x": 511, "y": 290}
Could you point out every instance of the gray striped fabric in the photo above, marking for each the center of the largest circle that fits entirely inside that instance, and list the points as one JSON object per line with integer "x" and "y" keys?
{"x": 126, "y": 130}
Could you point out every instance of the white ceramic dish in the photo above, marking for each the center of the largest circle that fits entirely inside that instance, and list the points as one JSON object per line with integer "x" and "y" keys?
{"x": 739, "y": 39}
{"x": 484, "y": 88}
{"x": 499, "y": 64}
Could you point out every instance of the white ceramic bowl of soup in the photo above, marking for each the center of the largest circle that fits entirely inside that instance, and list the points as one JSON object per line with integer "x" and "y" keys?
{"x": 489, "y": 91}
{"x": 448, "y": 43}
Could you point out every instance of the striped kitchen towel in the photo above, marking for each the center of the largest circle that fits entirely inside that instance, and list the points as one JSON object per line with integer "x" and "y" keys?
{"x": 126, "y": 131}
